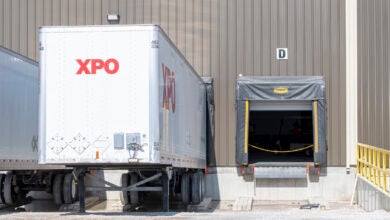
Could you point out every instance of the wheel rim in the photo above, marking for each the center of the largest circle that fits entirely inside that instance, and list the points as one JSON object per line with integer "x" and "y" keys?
{"x": 202, "y": 185}
{"x": 69, "y": 190}
{"x": 74, "y": 190}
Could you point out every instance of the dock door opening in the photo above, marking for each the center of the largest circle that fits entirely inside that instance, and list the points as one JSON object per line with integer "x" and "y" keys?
{"x": 280, "y": 132}
{"x": 281, "y": 121}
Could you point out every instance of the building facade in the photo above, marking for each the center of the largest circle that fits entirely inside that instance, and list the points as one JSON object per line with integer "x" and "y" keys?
{"x": 225, "y": 38}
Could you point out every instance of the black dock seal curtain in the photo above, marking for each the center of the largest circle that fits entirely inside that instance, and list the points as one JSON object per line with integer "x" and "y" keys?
{"x": 210, "y": 128}
{"x": 281, "y": 88}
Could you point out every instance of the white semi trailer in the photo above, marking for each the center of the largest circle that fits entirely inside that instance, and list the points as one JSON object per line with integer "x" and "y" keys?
{"x": 20, "y": 171}
{"x": 122, "y": 97}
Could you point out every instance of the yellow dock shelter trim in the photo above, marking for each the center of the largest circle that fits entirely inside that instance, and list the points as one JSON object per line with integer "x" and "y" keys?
{"x": 246, "y": 126}
{"x": 315, "y": 116}
{"x": 373, "y": 164}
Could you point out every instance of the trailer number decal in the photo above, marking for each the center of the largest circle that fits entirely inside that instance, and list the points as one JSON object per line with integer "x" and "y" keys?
{"x": 111, "y": 66}
{"x": 169, "y": 90}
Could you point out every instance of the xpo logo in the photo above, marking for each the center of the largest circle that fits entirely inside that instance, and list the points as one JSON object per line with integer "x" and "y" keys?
{"x": 169, "y": 90}
{"x": 90, "y": 66}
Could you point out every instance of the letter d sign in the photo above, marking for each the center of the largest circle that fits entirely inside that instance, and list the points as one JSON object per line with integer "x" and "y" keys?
{"x": 281, "y": 54}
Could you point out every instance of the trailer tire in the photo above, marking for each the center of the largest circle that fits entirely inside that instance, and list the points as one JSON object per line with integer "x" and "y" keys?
{"x": 2, "y": 201}
{"x": 124, "y": 195}
{"x": 202, "y": 185}
{"x": 58, "y": 185}
{"x": 69, "y": 189}
{"x": 10, "y": 196}
{"x": 196, "y": 188}
{"x": 185, "y": 189}
{"x": 134, "y": 195}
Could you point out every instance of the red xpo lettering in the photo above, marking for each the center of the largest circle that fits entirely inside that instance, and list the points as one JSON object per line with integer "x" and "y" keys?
{"x": 169, "y": 90}
{"x": 111, "y": 66}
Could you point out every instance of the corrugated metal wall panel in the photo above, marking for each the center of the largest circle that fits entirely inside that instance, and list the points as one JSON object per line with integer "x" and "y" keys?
{"x": 197, "y": 35}
{"x": 292, "y": 38}
{"x": 89, "y": 16}
{"x": 230, "y": 85}
{"x": 248, "y": 30}
{"x": 342, "y": 102}
{"x": 148, "y": 11}
{"x": 157, "y": 8}
{"x": 170, "y": 8}
{"x": 189, "y": 30}
{"x": 64, "y": 12}
{"x": 282, "y": 33}
{"x": 206, "y": 38}
{"x": 265, "y": 38}
{"x": 301, "y": 40}
{"x": 215, "y": 69}
{"x": 23, "y": 27}
{"x": 2, "y": 20}
{"x": 220, "y": 38}
{"x": 222, "y": 86}
{"x": 15, "y": 32}
{"x": 56, "y": 12}
{"x": 374, "y": 72}
{"x": 386, "y": 77}
{"x": 47, "y": 12}
{"x": 7, "y": 24}
{"x": 257, "y": 34}
{"x": 72, "y": 13}
{"x": 97, "y": 9}
{"x": 31, "y": 36}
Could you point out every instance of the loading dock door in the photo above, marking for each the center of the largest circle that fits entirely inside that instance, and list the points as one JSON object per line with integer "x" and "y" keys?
{"x": 278, "y": 94}
{"x": 280, "y": 132}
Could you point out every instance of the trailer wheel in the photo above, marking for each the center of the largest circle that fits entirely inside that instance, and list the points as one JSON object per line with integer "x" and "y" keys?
{"x": 202, "y": 185}
{"x": 2, "y": 201}
{"x": 124, "y": 195}
{"x": 69, "y": 189}
{"x": 134, "y": 195}
{"x": 185, "y": 189}
{"x": 58, "y": 189}
{"x": 8, "y": 190}
{"x": 196, "y": 188}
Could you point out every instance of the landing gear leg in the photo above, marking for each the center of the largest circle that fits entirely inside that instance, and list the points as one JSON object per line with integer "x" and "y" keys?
{"x": 165, "y": 182}
{"x": 81, "y": 188}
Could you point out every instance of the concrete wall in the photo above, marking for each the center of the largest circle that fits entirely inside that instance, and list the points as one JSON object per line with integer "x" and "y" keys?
{"x": 370, "y": 198}
{"x": 228, "y": 184}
